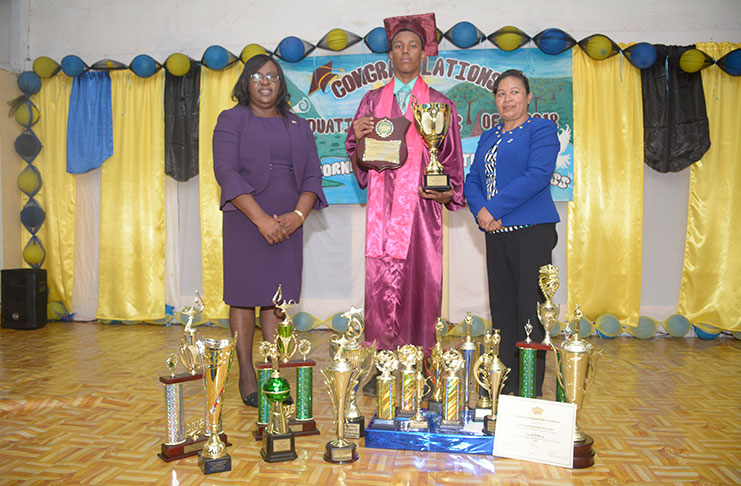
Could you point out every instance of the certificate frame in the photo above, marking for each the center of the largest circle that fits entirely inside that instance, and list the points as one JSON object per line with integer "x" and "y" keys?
{"x": 535, "y": 430}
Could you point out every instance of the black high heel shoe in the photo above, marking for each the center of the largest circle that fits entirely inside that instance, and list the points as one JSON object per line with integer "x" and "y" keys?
{"x": 250, "y": 400}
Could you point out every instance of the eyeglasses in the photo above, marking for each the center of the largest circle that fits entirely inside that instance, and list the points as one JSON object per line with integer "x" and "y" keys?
{"x": 258, "y": 77}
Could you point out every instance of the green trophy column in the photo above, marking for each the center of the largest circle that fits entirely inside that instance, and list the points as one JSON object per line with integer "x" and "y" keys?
{"x": 263, "y": 407}
{"x": 527, "y": 372}
{"x": 304, "y": 389}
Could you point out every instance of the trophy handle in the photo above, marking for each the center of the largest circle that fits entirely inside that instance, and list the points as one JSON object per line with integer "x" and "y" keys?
{"x": 557, "y": 356}
{"x": 479, "y": 370}
{"x": 596, "y": 353}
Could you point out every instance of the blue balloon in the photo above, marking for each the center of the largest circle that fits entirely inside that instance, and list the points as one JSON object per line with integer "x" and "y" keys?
{"x": 704, "y": 334}
{"x": 376, "y": 40}
{"x": 553, "y": 41}
{"x": 216, "y": 58}
{"x": 677, "y": 325}
{"x": 144, "y": 66}
{"x": 304, "y": 321}
{"x": 731, "y": 63}
{"x": 291, "y": 49}
{"x": 464, "y": 34}
{"x": 641, "y": 55}
{"x": 29, "y": 83}
{"x": 32, "y": 217}
{"x": 73, "y": 66}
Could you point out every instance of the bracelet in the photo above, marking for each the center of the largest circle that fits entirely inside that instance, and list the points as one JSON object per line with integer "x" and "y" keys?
{"x": 300, "y": 215}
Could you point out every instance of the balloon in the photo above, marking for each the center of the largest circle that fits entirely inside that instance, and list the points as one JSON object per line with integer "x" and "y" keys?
{"x": 29, "y": 181}
{"x": 376, "y": 40}
{"x": 27, "y": 145}
{"x": 178, "y": 64}
{"x": 45, "y": 67}
{"x": 291, "y": 49}
{"x": 73, "y": 66}
{"x": 645, "y": 329}
{"x": 337, "y": 39}
{"x": 608, "y": 326}
{"x": 463, "y": 35}
{"x": 251, "y": 50}
{"x": 216, "y": 58}
{"x": 641, "y": 55}
{"x": 29, "y": 83}
{"x": 676, "y": 325}
{"x": 706, "y": 331}
{"x": 27, "y": 114}
{"x": 34, "y": 253}
{"x": 693, "y": 60}
{"x": 144, "y": 66}
{"x": 598, "y": 47}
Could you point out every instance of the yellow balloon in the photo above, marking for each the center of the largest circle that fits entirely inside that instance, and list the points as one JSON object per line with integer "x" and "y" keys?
{"x": 509, "y": 41}
{"x": 33, "y": 254}
{"x": 251, "y": 50}
{"x": 337, "y": 39}
{"x": 27, "y": 115}
{"x": 178, "y": 64}
{"x": 28, "y": 181}
{"x": 45, "y": 67}
{"x": 599, "y": 47}
{"x": 692, "y": 61}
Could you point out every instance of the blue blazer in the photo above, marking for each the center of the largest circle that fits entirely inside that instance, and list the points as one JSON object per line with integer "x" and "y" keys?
{"x": 242, "y": 156}
{"x": 526, "y": 159}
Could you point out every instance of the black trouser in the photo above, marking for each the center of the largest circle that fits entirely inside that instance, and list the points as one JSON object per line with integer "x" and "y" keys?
{"x": 513, "y": 260}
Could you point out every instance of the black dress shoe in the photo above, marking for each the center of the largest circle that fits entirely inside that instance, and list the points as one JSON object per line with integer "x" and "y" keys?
{"x": 250, "y": 400}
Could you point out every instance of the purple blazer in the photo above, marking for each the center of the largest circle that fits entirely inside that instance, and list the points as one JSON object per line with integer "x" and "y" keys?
{"x": 242, "y": 156}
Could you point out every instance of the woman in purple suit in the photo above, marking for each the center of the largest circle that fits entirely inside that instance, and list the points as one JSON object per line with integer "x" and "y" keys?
{"x": 266, "y": 162}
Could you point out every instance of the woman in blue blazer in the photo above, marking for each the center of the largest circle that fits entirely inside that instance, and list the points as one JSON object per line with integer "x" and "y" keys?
{"x": 508, "y": 192}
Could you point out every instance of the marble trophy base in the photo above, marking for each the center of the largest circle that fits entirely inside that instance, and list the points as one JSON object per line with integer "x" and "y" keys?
{"x": 279, "y": 447}
{"x": 190, "y": 447}
{"x": 584, "y": 453}
{"x": 341, "y": 454}
{"x": 355, "y": 427}
{"x": 211, "y": 466}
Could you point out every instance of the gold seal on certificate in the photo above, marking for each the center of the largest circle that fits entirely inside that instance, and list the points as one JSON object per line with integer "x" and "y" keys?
{"x": 385, "y": 147}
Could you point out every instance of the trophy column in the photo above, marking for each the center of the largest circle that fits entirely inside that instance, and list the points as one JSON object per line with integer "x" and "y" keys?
{"x": 528, "y": 366}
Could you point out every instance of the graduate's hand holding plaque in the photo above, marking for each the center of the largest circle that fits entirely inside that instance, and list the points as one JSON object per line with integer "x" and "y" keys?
{"x": 385, "y": 146}
{"x": 432, "y": 121}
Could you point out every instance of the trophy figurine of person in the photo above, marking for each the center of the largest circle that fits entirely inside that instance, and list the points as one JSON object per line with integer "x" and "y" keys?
{"x": 575, "y": 370}
{"x": 409, "y": 356}
{"x": 436, "y": 356}
{"x": 216, "y": 356}
{"x": 491, "y": 373}
{"x": 340, "y": 376}
{"x": 387, "y": 363}
{"x": 279, "y": 443}
{"x": 188, "y": 345}
{"x": 432, "y": 121}
{"x": 548, "y": 311}
{"x": 453, "y": 363}
{"x": 468, "y": 349}
{"x": 285, "y": 335}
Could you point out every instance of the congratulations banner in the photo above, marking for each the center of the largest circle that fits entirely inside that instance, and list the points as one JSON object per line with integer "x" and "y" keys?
{"x": 326, "y": 91}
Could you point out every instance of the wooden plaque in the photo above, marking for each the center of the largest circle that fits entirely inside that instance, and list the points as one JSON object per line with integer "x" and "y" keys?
{"x": 385, "y": 147}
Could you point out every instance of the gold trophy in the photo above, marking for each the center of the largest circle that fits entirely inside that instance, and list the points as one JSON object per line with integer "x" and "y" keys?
{"x": 468, "y": 349}
{"x": 279, "y": 443}
{"x": 453, "y": 363}
{"x": 188, "y": 347}
{"x": 548, "y": 311}
{"x": 575, "y": 370}
{"x": 409, "y": 355}
{"x": 491, "y": 373}
{"x": 216, "y": 355}
{"x": 285, "y": 335}
{"x": 421, "y": 386}
{"x": 483, "y": 404}
{"x": 436, "y": 357}
{"x": 361, "y": 356}
{"x": 432, "y": 121}
{"x": 387, "y": 363}
{"x": 340, "y": 376}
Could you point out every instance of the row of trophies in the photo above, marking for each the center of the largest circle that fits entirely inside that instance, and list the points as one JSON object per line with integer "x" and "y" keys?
{"x": 447, "y": 378}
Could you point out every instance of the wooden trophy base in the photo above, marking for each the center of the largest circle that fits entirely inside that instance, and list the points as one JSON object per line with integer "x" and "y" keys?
{"x": 299, "y": 428}
{"x": 355, "y": 427}
{"x": 490, "y": 424}
{"x": 186, "y": 449}
{"x": 341, "y": 455}
{"x": 437, "y": 182}
{"x": 211, "y": 466}
{"x": 279, "y": 447}
{"x": 584, "y": 453}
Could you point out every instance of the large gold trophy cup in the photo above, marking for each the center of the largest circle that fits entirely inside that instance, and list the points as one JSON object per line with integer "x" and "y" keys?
{"x": 432, "y": 121}
{"x": 575, "y": 371}
{"x": 340, "y": 376}
{"x": 216, "y": 355}
{"x": 361, "y": 356}
{"x": 548, "y": 311}
{"x": 491, "y": 373}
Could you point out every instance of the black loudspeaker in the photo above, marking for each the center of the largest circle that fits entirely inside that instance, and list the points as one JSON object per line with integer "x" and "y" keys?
{"x": 24, "y": 296}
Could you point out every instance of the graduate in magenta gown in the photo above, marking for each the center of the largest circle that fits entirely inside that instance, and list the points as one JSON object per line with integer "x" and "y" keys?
{"x": 403, "y": 254}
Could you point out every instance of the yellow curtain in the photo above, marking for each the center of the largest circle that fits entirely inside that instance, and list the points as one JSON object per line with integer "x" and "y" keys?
{"x": 711, "y": 278}
{"x": 58, "y": 193}
{"x": 605, "y": 218}
{"x": 132, "y": 210}
{"x": 216, "y": 92}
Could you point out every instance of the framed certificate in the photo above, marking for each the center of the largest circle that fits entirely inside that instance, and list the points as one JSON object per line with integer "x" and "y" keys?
{"x": 535, "y": 430}
{"x": 385, "y": 147}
